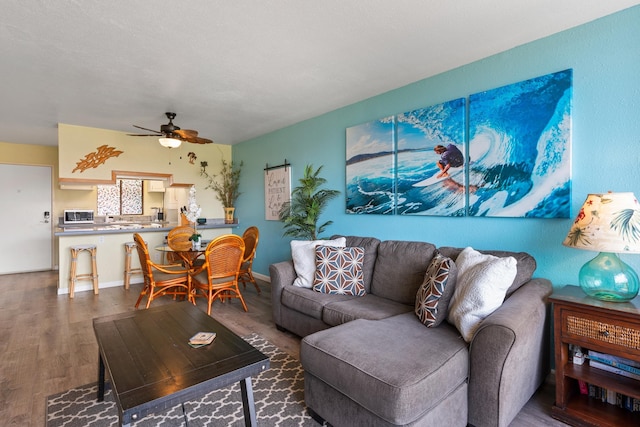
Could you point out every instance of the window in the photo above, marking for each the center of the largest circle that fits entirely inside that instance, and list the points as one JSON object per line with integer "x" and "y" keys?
{"x": 123, "y": 198}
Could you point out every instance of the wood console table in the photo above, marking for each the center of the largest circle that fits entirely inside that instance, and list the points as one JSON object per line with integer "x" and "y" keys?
{"x": 606, "y": 327}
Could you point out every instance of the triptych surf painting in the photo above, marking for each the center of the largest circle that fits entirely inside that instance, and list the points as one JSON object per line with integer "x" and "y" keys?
{"x": 505, "y": 153}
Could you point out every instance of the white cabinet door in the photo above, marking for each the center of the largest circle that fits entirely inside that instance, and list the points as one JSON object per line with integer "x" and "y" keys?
{"x": 26, "y": 244}
{"x": 175, "y": 198}
{"x": 155, "y": 186}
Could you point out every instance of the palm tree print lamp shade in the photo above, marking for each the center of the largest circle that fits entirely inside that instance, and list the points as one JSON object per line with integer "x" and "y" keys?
{"x": 608, "y": 223}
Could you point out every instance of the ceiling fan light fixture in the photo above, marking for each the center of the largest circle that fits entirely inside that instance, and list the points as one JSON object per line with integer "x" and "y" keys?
{"x": 169, "y": 142}
{"x": 171, "y": 136}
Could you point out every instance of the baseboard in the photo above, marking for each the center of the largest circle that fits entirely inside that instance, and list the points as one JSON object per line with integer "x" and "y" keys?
{"x": 262, "y": 277}
{"x": 88, "y": 286}
{"x": 551, "y": 378}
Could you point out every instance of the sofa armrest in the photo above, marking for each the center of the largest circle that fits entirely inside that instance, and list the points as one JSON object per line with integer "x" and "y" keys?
{"x": 509, "y": 356}
{"x": 282, "y": 274}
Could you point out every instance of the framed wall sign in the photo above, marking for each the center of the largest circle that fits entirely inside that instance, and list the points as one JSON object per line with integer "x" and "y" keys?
{"x": 277, "y": 189}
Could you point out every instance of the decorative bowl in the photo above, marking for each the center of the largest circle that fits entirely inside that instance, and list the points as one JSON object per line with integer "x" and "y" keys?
{"x": 202, "y": 221}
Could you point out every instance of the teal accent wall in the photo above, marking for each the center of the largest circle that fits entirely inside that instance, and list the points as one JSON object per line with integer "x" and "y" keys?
{"x": 605, "y": 59}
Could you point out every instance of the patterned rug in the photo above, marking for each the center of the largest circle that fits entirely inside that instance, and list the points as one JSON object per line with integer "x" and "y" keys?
{"x": 278, "y": 393}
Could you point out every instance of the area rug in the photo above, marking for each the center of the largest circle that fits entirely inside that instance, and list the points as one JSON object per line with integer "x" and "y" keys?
{"x": 278, "y": 393}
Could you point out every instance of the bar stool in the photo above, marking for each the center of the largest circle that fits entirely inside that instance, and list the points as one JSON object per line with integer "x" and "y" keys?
{"x": 129, "y": 247}
{"x": 73, "y": 274}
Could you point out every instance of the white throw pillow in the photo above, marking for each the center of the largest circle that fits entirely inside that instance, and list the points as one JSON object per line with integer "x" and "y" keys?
{"x": 303, "y": 253}
{"x": 481, "y": 286}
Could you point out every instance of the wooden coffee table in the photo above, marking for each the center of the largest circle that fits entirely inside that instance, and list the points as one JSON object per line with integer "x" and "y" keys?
{"x": 152, "y": 368}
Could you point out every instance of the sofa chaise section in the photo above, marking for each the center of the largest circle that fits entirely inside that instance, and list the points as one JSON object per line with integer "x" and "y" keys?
{"x": 352, "y": 365}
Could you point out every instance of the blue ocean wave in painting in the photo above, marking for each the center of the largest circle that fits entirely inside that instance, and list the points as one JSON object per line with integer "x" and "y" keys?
{"x": 519, "y": 143}
{"x": 373, "y": 191}
{"x": 371, "y": 187}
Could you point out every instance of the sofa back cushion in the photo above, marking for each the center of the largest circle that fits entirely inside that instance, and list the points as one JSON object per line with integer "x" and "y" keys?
{"x": 400, "y": 269}
{"x": 370, "y": 246}
{"x": 526, "y": 264}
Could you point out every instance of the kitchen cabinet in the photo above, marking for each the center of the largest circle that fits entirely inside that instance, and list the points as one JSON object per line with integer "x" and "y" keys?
{"x": 174, "y": 198}
{"x": 155, "y": 187}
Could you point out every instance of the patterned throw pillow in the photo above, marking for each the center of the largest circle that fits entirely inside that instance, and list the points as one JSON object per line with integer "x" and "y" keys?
{"x": 339, "y": 270}
{"x": 432, "y": 298}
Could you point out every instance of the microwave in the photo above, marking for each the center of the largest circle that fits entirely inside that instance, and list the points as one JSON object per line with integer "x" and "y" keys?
{"x": 78, "y": 216}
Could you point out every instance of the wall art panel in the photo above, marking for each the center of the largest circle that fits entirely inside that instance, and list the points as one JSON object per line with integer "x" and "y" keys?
{"x": 430, "y": 157}
{"x": 520, "y": 149}
{"x": 370, "y": 167}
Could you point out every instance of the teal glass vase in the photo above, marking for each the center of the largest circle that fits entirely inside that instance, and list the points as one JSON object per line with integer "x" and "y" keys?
{"x": 608, "y": 278}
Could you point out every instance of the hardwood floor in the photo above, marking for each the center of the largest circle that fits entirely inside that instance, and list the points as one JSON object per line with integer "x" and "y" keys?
{"x": 47, "y": 342}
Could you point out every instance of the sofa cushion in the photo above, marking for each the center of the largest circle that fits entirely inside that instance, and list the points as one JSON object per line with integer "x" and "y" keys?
{"x": 360, "y": 360}
{"x": 525, "y": 268}
{"x": 303, "y": 253}
{"x": 481, "y": 287}
{"x": 432, "y": 299}
{"x": 339, "y": 270}
{"x": 370, "y": 307}
{"x": 400, "y": 269}
{"x": 308, "y": 301}
{"x": 370, "y": 246}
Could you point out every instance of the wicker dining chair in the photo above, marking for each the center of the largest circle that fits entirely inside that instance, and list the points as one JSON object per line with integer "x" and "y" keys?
{"x": 161, "y": 279}
{"x": 178, "y": 241}
{"x": 250, "y": 236}
{"x": 218, "y": 276}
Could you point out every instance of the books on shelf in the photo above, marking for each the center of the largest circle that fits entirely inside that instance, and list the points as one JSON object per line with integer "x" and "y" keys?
{"x": 621, "y": 363}
{"x": 202, "y": 338}
{"x": 612, "y": 397}
{"x": 617, "y": 365}
{"x": 595, "y": 364}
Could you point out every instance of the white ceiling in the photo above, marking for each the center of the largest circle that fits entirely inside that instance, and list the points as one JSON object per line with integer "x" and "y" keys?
{"x": 237, "y": 69}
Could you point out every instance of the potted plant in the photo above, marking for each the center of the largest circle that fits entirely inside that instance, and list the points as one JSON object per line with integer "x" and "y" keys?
{"x": 308, "y": 200}
{"x": 225, "y": 185}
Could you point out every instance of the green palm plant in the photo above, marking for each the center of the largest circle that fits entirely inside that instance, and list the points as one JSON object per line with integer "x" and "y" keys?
{"x": 308, "y": 200}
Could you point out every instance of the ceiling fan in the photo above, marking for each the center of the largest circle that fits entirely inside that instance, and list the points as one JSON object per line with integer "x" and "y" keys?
{"x": 171, "y": 136}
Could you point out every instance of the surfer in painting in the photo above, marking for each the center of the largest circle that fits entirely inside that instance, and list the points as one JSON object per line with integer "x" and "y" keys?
{"x": 450, "y": 157}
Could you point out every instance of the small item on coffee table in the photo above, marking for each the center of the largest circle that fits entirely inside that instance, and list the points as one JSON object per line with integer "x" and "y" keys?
{"x": 202, "y": 338}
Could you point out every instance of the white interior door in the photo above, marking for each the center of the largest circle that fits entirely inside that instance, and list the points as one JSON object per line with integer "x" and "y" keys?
{"x": 25, "y": 192}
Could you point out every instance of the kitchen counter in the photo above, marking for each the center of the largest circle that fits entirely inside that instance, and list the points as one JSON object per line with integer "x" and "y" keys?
{"x": 129, "y": 227}
{"x": 110, "y": 239}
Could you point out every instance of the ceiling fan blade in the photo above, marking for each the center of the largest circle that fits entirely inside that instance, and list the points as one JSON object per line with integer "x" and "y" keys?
{"x": 186, "y": 133}
{"x": 139, "y": 134}
{"x": 191, "y": 135}
{"x": 150, "y": 130}
{"x": 198, "y": 140}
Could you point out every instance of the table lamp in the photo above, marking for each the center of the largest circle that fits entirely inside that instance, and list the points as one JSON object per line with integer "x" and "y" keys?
{"x": 608, "y": 223}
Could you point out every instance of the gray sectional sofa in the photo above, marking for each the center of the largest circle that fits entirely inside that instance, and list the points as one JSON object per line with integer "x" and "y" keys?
{"x": 369, "y": 361}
